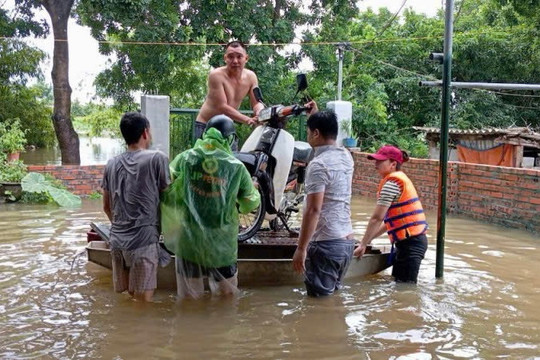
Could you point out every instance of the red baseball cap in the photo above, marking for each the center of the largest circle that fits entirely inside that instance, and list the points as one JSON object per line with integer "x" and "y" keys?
{"x": 387, "y": 152}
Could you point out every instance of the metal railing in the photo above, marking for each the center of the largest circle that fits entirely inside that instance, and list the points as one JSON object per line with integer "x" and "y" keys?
{"x": 181, "y": 129}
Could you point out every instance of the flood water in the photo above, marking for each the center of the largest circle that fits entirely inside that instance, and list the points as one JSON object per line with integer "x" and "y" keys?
{"x": 93, "y": 151}
{"x": 55, "y": 307}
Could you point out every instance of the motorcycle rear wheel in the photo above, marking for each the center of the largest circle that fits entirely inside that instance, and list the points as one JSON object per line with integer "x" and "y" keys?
{"x": 249, "y": 224}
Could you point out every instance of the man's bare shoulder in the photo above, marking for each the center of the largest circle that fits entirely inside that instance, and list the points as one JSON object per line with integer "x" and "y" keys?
{"x": 217, "y": 73}
{"x": 250, "y": 74}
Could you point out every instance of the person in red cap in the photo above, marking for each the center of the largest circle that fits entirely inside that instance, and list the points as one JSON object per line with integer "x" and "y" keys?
{"x": 398, "y": 213}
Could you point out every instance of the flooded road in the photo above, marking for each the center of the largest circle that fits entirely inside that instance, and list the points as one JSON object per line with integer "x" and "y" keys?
{"x": 55, "y": 307}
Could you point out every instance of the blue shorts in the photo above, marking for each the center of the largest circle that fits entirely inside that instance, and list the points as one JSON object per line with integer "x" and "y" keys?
{"x": 326, "y": 264}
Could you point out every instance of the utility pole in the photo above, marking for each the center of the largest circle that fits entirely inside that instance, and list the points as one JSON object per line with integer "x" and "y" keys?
{"x": 445, "y": 120}
{"x": 343, "y": 109}
{"x": 341, "y": 51}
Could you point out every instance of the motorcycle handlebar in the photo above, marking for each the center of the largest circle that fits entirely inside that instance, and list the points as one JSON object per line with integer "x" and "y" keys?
{"x": 293, "y": 110}
{"x": 286, "y": 111}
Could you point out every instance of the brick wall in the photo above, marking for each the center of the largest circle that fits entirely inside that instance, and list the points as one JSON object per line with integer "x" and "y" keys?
{"x": 502, "y": 195}
{"x": 81, "y": 180}
{"x": 506, "y": 196}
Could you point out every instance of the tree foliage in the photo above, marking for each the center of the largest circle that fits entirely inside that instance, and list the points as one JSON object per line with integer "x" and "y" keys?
{"x": 387, "y": 59}
{"x": 19, "y": 63}
{"x": 59, "y": 12}
{"x": 494, "y": 41}
{"x": 162, "y": 67}
{"x": 97, "y": 119}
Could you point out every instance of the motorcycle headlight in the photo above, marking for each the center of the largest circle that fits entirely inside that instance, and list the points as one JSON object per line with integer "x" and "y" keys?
{"x": 265, "y": 114}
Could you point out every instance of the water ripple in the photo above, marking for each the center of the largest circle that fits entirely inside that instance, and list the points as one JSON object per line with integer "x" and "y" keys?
{"x": 53, "y": 305}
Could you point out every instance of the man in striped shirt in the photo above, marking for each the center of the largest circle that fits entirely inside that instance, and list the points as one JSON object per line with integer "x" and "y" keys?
{"x": 326, "y": 242}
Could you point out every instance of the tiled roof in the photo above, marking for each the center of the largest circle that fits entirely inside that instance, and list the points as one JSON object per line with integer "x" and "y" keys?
{"x": 526, "y": 135}
{"x": 485, "y": 131}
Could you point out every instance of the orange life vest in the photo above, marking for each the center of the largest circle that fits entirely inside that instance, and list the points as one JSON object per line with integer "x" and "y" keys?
{"x": 405, "y": 218}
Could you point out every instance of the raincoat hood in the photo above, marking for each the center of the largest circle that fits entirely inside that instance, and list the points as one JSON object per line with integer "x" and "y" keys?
{"x": 212, "y": 138}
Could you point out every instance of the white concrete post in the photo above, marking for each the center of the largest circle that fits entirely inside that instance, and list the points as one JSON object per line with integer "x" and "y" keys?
{"x": 343, "y": 110}
{"x": 157, "y": 109}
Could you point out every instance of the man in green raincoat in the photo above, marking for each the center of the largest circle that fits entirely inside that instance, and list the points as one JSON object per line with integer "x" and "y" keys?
{"x": 199, "y": 211}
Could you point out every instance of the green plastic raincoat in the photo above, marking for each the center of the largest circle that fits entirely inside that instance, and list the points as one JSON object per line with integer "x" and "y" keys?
{"x": 199, "y": 212}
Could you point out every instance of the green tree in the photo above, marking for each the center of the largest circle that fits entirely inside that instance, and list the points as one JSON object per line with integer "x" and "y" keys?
{"x": 388, "y": 58}
{"x": 97, "y": 119}
{"x": 59, "y": 12}
{"x": 19, "y": 63}
{"x": 180, "y": 71}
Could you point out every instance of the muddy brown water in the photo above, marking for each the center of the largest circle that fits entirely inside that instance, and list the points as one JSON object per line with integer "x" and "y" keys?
{"x": 56, "y": 306}
{"x": 93, "y": 151}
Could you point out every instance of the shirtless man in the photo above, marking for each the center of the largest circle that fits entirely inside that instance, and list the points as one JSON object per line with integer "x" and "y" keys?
{"x": 227, "y": 87}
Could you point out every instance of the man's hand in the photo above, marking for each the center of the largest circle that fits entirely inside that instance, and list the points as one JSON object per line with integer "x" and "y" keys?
{"x": 255, "y": 182}
{"x": 299, "y": 260}
{"x": 314, "y": 108}
{"x": 254, "y": 121}
{"x": 359, "y": 251}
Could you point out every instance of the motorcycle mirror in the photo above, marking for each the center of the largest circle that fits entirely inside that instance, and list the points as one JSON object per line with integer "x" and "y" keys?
{"x": 301, "y": 82}
{"x": 258, "y": 94}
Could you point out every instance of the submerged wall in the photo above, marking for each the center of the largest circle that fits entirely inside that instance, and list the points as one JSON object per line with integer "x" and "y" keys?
{"x": 501, "y": 195}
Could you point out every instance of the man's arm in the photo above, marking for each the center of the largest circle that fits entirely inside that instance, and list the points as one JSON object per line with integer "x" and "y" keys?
{"x": 256, "y": 106}
{"x": 163, "y": 172}
{"x": 375, "y": 228}
{"x": 310, "y": 219}
{"x": 216, "y": 97}
{"x": 107, "y": 205}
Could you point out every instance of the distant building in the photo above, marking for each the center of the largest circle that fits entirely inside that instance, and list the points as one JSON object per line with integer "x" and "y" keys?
{"x": 513, "y": 147}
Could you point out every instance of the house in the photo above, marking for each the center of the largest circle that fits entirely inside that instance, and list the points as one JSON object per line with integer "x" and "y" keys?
{"x": 513, "y": 147}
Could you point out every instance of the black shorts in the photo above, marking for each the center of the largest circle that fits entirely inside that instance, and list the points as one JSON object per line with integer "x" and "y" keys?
{"x": 409, "y": 255}
{"x": 193, "y": 270}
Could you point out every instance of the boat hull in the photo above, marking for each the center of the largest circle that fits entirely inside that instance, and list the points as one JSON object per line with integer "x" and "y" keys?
{"x": 256, "y": 270}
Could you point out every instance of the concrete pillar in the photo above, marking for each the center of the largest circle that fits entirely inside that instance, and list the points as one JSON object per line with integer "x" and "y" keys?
{"x": 157, "y": 109}
{"x": 343, "y": 110}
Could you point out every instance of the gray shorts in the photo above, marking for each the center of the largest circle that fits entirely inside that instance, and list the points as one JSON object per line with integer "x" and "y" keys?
{"x": 326, "y": 264}
{"x": 135, "y": 270}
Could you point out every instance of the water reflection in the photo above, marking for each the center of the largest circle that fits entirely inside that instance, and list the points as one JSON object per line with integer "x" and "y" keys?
{"x": 54, "y": 307}
{"x": 93, "y": 151}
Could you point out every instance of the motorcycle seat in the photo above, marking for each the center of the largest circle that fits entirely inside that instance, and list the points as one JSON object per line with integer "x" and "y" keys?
{"x": 302, "y": 152}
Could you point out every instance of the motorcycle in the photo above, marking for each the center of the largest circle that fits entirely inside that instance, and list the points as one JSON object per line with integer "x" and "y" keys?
{"x": 276, "y": 163}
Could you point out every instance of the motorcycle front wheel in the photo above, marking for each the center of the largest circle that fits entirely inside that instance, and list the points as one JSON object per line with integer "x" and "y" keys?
{"x": 250, "y": 223}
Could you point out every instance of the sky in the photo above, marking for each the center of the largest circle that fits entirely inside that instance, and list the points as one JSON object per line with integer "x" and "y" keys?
{"x": 86, "y": 61}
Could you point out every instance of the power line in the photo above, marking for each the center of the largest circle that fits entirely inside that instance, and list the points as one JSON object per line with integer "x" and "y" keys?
{"x": 358, "y": 51}
{"x": 311, "y": 43}
{"x": 434, "y": 78}
{"x": 387, "y": 25}
{"x": 511, "y": 94}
